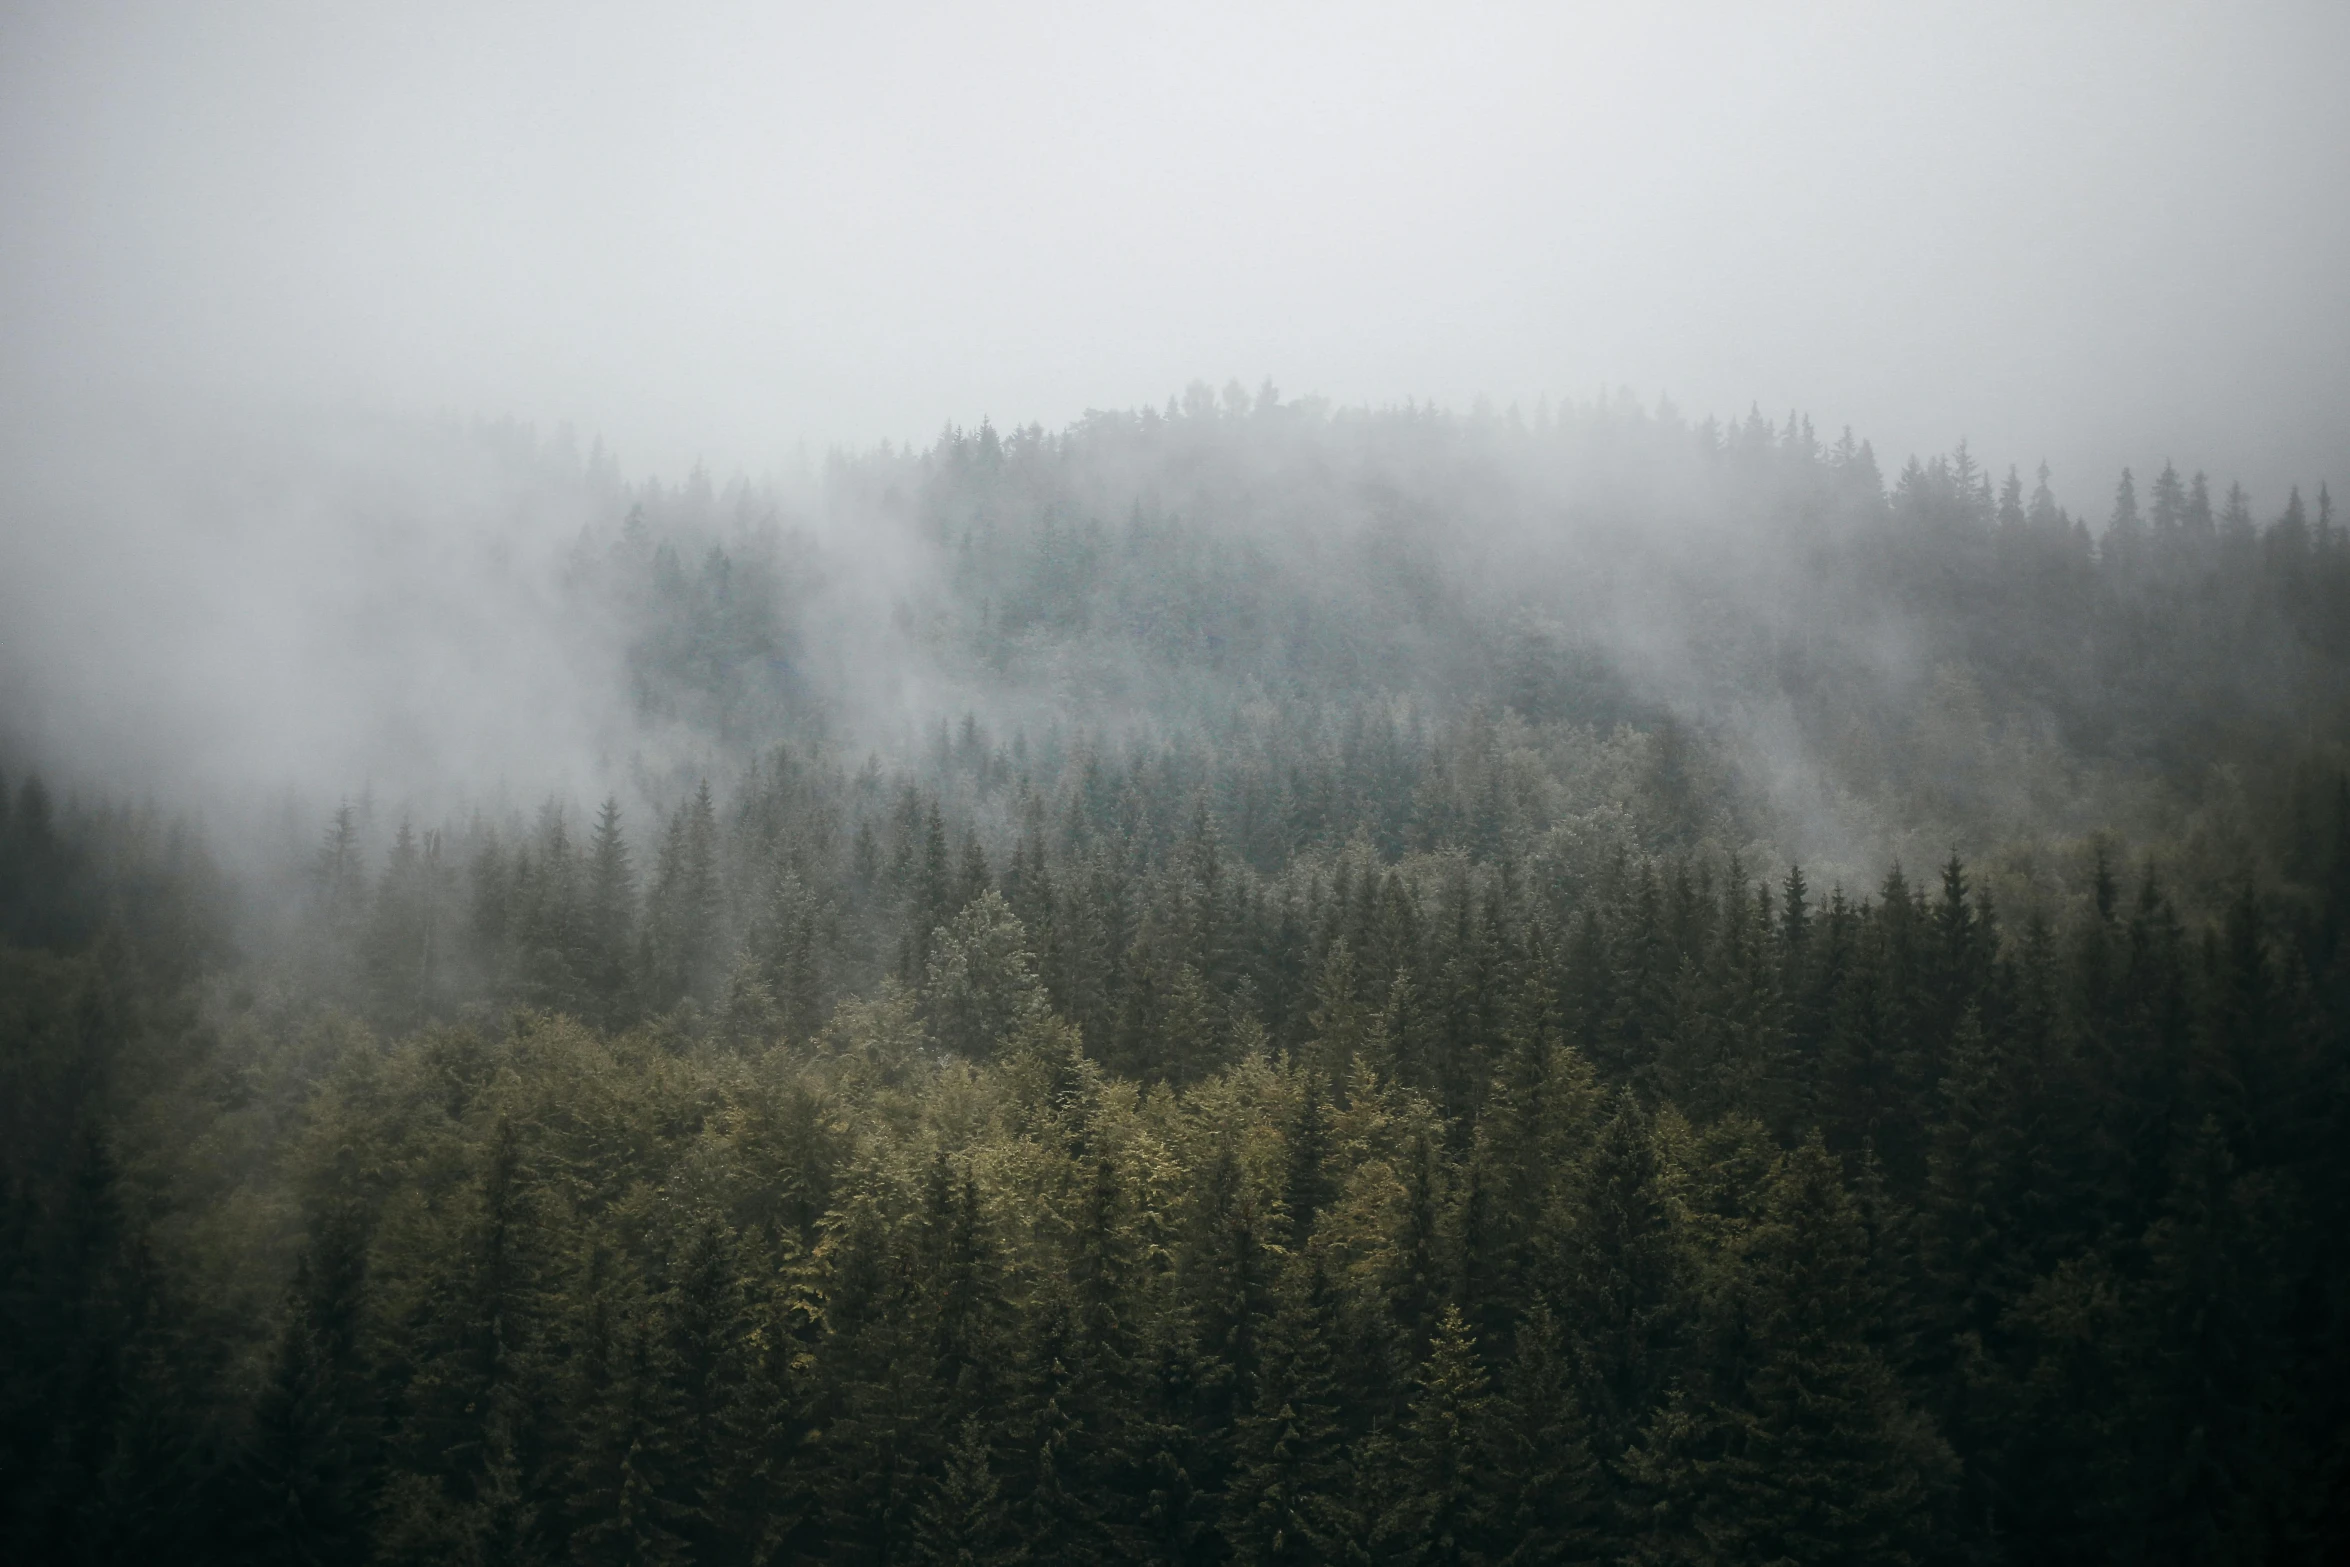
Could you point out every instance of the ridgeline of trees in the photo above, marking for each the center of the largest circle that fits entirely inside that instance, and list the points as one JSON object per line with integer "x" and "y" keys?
{"x": 1360, "y": 1081}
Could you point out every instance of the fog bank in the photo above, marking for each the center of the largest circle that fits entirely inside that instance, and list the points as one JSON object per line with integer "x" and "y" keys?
{"x": 2099, "y": 233}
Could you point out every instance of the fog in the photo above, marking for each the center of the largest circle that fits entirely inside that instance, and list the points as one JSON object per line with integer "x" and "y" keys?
{"x": 2096, "y": 233}
{"x": 269, "y": 268}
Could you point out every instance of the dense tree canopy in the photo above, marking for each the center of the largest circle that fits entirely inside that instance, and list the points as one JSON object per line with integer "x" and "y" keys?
{"x": 1328, "y": 1054}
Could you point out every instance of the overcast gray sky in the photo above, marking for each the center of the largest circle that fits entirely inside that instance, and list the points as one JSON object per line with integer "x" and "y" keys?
{"x": 2104, "y": 232}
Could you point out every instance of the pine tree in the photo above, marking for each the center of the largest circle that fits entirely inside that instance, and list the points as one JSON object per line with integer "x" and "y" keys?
{"x": 1416, "y": 1281}
{"x": 1230, "y": 1277}
{"x": 1339, "y": 1020}
{"x": 1446, "y": 1505}
{"x": 1307, "y": 1187}
{"x": 307, "y": 1473}
{"x": 2213, "y": 1489}
{"x": 1061, "y": 1514}
{"x": 965, "y": 1522}
{"x": 1292, "y": 1496}
{"x": 339, "y": 892}
{"x": 2168, "y": 508}
{"x": 682, "y": 937}
{"x": 1620, "y": 1280}
{"x": 2125, "y": 532}
{"x": 1809, "y": 1451}
{"x": 981, "y": 984}
{"x": 473, "y": 1404}
{"x": 701, "y": 1318}
{"x": 1554, "y": 1496}
{"x": 634, "y": 1470}
{"x": 404, "y": 939}
{"x": 611, "y": 921}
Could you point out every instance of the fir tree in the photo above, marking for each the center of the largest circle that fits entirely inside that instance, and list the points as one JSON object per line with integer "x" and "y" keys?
{"x": 1293, "y": 1495}
{"x": 1446, "y": 1507}
{"x": 965, "y": 1522}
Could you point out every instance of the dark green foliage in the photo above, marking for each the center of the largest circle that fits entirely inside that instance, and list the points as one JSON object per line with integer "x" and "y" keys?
{"x": 966, "y": 1522}
{"x": 1368, "y": 1113}
{"x": 1446, "y": 1489}
{"x": 1621, "y": 1280}
{"x": 1294, "y": 1494}
{"x": 1554, "y": 1499}
{"x": 553, "y": 1298}
{"x": 309, "y": 1467}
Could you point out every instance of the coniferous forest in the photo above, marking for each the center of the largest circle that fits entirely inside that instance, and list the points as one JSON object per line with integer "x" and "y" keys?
{"x": 1240, "y": 982}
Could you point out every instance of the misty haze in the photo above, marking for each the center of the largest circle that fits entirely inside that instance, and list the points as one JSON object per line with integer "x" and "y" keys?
{"x": 1274, "y": 785}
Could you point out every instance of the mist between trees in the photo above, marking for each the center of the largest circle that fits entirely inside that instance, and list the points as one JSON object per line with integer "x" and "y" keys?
{"x": 1243, "y": 982}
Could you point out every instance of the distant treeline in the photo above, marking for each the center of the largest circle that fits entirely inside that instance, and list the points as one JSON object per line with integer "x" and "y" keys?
{"x": 1606, "y": 566}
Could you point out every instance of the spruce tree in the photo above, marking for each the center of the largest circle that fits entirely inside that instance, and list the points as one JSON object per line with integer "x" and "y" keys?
{"x": 1554, "y": 1497}
{"x": 307, "y": 1475}
{"x": 1445, "y": 1505}
{"x": 611, "y": 920}
{"x": 1620, "y": 1278}
{"x": 965, "y": 1521}
{"x": 1808, "y": 1450}
{"x": 1293, "y": 1494}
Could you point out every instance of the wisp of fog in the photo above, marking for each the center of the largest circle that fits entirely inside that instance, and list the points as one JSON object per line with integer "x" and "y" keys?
{"x": 267, "y": 267}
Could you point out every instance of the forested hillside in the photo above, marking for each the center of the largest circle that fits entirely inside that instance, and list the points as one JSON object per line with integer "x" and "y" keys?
{"x": 1241, "y": 983}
